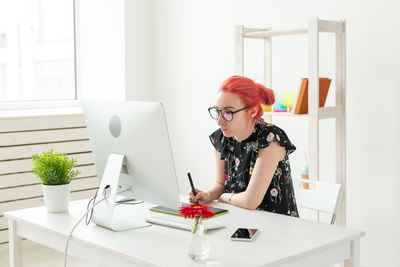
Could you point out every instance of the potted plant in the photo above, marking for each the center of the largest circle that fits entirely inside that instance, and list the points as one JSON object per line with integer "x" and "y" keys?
{"x": 55, "y": 171}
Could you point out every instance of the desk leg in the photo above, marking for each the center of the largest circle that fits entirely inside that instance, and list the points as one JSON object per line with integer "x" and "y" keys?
{"x": 354, "y": 261}
{"x": 14, "y": 245}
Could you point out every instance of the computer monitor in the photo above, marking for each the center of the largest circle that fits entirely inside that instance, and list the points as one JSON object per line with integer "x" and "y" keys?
{"x": 132, "y": 155}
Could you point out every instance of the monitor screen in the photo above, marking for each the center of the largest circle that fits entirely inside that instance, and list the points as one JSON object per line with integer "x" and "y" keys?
{"x": 137, "y": 130}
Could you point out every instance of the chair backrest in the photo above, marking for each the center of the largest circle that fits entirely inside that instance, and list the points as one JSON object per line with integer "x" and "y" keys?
{"x": 319, "y": 196}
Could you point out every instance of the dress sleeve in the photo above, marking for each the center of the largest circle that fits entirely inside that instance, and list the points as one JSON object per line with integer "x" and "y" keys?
{"x": 218, "y": 140}
{"x": 272, "y": 133}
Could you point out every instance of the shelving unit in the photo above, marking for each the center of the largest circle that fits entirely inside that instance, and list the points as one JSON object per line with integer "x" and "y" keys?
{"x": 337, "y": 112}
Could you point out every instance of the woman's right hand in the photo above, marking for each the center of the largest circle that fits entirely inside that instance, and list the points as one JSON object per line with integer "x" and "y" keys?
{"x": 201, "y": 197}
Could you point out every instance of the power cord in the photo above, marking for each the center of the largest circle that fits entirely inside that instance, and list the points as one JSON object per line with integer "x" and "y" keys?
{"x": 90, "y": 210}
{"x": 76, "y": 224}
{"x": 87, "y": 221}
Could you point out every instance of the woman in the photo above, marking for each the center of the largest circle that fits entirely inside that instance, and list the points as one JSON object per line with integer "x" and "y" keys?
{"x": 253, "y": 169}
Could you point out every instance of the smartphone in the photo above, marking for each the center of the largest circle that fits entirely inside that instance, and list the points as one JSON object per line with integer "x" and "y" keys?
{"x": 244, "y": 234}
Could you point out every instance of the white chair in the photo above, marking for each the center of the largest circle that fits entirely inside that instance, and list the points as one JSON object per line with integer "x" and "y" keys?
{"x": 320, "y": 196}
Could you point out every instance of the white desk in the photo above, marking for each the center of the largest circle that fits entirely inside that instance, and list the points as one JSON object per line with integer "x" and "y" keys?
{"x": 283, "y": 240}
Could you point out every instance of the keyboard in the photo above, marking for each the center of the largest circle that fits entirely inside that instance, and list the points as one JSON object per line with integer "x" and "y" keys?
{"x": 180, "y": 222}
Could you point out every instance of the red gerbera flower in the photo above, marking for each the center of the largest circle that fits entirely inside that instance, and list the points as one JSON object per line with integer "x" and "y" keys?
{"x": 196, "y": 209}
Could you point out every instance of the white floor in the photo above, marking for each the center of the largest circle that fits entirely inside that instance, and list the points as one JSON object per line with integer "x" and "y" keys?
{"x": 35, "y": 255}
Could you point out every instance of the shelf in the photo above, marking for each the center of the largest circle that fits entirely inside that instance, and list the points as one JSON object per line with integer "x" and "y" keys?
{"x": 337, "y": 112}
{"x": 323, "y": 26}
{"x": 285, "y": 114}
{"x": 267, "y": 34}
{"x": 323, "y": 113}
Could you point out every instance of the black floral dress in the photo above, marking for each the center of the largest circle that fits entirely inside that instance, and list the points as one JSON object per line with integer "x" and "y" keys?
{"x": 240, "y": 159}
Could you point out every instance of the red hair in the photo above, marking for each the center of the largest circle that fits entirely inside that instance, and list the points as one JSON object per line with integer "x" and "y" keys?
{"x": 251, "y": 93}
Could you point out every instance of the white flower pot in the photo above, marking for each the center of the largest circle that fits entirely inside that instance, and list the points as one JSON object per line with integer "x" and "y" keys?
{"x": 56, "y": 197}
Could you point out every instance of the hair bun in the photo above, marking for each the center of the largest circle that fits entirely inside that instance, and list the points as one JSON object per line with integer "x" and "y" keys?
{"x": 266, "y": 94}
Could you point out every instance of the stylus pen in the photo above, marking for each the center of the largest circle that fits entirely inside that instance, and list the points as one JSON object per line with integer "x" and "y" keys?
{"x": 191, "y": 184}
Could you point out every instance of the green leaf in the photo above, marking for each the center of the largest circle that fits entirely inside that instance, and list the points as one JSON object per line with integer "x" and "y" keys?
{"x": 54, "y": 168}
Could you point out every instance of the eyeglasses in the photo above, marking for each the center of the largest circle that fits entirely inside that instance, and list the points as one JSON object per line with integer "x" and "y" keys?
{"x": 226, "y": 114}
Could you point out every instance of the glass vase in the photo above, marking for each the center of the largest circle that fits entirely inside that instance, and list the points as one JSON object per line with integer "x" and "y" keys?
{"x": 198, "y": 245}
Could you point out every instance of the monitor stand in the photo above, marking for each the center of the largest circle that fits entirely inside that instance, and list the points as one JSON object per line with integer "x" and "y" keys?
{"x": 103, "y": 213}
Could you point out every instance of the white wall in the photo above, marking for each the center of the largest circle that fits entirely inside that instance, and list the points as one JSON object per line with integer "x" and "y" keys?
{"x": 179, "y": 52}
{"x": 138, "y": 50}
{"x": 101, "y": 47}
{"x": 193, "y": 54}
{"x": 115, "y": 49}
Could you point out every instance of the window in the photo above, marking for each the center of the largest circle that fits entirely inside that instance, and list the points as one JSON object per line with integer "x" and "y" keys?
{"x": 37, "y": 50}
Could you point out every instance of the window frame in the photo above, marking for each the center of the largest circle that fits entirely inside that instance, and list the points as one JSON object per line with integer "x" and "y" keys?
{"x": 56, "y": 103}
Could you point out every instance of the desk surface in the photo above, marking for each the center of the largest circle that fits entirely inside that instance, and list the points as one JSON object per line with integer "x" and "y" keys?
{"x": 282, "y": 239}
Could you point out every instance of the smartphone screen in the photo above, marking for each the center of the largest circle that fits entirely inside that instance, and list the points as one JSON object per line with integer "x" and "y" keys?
{"x": 244, "y": 234}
